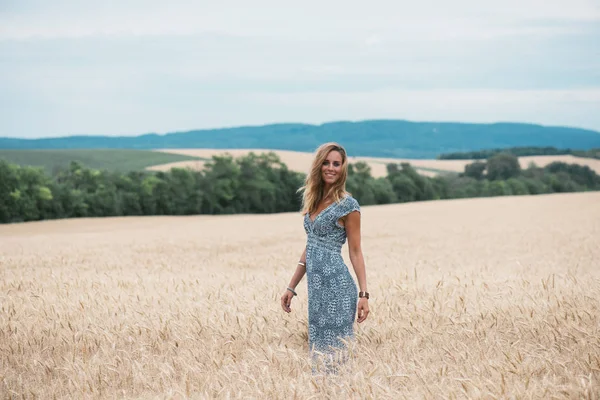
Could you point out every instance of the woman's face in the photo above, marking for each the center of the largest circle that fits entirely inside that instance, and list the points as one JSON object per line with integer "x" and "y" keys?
{"x": 332, "y": 167}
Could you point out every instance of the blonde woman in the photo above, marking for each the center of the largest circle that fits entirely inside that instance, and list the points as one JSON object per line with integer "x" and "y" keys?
{"x": 331, "y": 215}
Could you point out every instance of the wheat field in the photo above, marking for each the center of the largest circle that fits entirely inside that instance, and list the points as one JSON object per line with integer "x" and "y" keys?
{"x": 474, "y": 298}
{"x": 300, "y": 161}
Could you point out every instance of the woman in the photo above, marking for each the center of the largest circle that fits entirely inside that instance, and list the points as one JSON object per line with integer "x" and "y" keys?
{"x": 331, "y": 215}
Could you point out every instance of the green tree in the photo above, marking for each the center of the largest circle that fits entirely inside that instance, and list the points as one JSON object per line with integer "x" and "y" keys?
{"x": 9, "y": 192}
{"x": 534, "y": 186}
{"x": 496, "y": 188}
{"x": 580, "y": 174}
{"x": 383, "y": 191}
{"x": 361, "y": 184}
{"x": 404, "y": 188}
{"x": 409, "y": 185}
{"x": 33, "y": 196}
{"x": 475, "y": 170}
{"x": 220, "y": 186}
{"x": 129, "y": 193}
{"x": 425, "y": 188}
{"x": 185, "y": 196}
{"x": 561, "y": 182}
{"x": 517, "y": 186}
{"x": 503, "y": 166}
{"x": 256, "y": 189}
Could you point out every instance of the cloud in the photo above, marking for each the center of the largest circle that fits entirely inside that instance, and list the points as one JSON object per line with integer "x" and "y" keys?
{"x": 561, "y": 107}
{"x": 139, "y": 66}
{"x": 139, "y": 111}
{"x": 373, "y": 40}
{"x": 310, "y": 18}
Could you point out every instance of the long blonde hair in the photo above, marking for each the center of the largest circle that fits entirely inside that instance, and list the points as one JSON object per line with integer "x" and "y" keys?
{"x": 313, "y": 184}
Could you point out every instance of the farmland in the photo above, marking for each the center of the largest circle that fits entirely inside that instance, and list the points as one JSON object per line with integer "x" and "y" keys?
{"x": 110, "y": 159}
{"x": 300, "y": 161}
{"x": 164, "y": 159}
{"x": 493, "y": 297}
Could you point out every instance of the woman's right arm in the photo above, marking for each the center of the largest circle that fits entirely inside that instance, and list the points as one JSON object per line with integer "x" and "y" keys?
{"x": 286, "y": 299}
{"x": 300, "y": 271}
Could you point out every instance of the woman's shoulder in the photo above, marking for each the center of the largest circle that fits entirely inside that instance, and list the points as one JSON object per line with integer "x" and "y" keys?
{"x": 349, "y": 198}
{"x": 349, "y": 203}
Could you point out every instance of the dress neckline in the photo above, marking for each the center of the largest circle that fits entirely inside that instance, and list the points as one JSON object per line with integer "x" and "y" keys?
{"x": 319, "y": 214}
{"x": 312, "y": 221}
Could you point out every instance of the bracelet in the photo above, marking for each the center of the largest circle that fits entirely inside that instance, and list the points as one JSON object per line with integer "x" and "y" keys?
{"x": 301, "y": 263}
{"x": 364, "y": 294}
{"x": 292, "y": 290}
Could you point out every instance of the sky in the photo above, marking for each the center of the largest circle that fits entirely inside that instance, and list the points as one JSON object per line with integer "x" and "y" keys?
{"x": 123, "y": 68}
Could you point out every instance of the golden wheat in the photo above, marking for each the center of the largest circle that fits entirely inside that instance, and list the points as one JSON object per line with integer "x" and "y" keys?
{"x": 480, "y": 298}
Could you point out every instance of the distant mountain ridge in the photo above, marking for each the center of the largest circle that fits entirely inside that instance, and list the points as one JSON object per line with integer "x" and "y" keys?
{"x": 375, "y": 138}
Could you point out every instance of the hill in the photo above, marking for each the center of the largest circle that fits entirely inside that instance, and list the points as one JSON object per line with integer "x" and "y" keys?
{"x": 111, "y": 159}
{"x": 374, "y": 138}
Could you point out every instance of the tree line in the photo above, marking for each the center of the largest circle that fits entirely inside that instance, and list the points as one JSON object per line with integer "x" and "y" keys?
{"x": 257, "y": 184}
{"x": 519, "y": 152}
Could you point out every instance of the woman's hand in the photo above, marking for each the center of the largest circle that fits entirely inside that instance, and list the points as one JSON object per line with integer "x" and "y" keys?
{"x": 286, "y": 301}
{"x": 363, "y": 309}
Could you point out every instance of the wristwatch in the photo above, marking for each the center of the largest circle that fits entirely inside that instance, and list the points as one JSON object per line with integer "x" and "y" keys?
{"x": 363, "y": 294}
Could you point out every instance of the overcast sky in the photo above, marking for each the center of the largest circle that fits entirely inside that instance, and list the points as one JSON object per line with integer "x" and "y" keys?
{"x": 133, "y": 67}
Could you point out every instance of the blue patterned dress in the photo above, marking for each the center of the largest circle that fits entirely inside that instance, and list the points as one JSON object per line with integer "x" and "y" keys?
{"x": 332, "y": 293}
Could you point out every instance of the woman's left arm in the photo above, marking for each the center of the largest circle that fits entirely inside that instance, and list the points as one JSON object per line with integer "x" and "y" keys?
{"x": 352, "y": 225}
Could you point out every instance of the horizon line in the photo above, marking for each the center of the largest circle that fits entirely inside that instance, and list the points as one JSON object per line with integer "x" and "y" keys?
{"x": 271, "y": 124}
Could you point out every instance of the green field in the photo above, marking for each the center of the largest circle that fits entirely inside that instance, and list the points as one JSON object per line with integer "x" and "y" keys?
{"x": 110, "y": 159}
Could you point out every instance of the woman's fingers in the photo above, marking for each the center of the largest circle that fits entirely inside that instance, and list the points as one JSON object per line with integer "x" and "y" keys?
{"x": 363, "y": 312}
